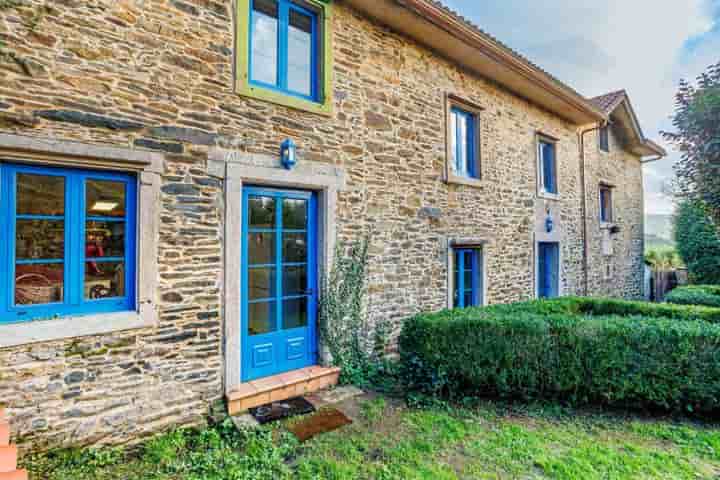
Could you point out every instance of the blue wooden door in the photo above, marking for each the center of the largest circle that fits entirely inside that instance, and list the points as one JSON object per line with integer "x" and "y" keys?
{"x": 279, "y": 281}
{"x": 548, "y": 270}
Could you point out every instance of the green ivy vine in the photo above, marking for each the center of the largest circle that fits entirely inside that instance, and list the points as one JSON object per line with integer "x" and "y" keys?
{"x": 356, "y": 346}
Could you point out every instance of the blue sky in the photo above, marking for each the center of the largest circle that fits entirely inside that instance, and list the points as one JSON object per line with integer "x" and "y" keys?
{"x": 643, "y": 46}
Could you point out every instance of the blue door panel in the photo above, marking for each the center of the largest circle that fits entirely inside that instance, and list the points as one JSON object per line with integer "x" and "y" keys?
{"x": 279, "y": 243}
{"x": 548, "y": 270}
{"x": 296, "y": 348}
{"x": 262, "y": 355}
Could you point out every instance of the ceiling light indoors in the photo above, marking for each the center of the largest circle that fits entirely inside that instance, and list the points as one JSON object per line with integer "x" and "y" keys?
{"x": 102, "y": 206}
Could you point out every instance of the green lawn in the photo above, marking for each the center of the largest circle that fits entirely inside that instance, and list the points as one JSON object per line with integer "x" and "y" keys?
{"x": 390, "y": 441}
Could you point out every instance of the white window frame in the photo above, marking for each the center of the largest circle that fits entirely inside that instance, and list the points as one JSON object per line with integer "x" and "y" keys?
{"x": 541, "y": 138}
{"x": 451, "y": 176}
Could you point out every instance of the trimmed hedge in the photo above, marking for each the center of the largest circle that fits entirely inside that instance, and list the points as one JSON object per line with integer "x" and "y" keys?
{"x": 554, "y": 350}
{"x": 610, "y": 306}
{"x": 708, "y": 295}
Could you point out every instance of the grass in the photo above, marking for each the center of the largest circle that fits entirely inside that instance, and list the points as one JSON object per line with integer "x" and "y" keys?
{"x": 391, "y": 441}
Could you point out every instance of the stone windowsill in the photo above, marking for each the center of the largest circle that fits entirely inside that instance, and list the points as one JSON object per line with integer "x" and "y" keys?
{"x": 23, "y": 333}
{"x": 549, "y": 196}
{"x": 467, "y": 181}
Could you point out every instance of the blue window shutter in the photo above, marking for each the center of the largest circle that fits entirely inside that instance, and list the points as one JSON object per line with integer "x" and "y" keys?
{"x": 468, "y": 261}
{"x": 549, "y": 169}
{"x": 554, "y": 276}
{"x": 471, "y": 167}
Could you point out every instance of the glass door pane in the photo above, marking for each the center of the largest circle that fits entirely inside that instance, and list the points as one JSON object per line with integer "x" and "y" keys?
{"x": 295, "y": 287}
{"x": 262, "y": 265}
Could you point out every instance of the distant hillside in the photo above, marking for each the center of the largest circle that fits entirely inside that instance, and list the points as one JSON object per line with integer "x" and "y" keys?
{"x": 659, "y": 231}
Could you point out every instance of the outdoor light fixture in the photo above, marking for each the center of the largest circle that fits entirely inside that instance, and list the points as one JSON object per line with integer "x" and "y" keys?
{"x": 549, "y": 223}
{"x": 103, "y": 206}
{"x": 288, "y": 154}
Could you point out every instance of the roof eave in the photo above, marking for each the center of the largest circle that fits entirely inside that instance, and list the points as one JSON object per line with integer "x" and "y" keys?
{"x": 457, "y": 40}
{"x": 652, "y": 151}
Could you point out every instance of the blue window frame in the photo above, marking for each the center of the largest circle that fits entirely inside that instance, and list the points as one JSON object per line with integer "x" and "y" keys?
{"x": 468, "y": 288}
{"x": 284, "y": 50}
{"x": 606, "y": 209}
{"x": 67, "y": 242}
{"x": 548, "y": 282}
{"x": 604, "y": 138}
{"x": 463, "y": 143}
{"x": 548, "y": 167}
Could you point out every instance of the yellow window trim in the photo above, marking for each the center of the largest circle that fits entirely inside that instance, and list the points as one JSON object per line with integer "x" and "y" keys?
{"x": 242, "y": 67}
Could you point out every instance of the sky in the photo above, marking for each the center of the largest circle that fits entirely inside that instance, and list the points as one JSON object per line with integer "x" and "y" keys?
{"x": 642, "y": 46}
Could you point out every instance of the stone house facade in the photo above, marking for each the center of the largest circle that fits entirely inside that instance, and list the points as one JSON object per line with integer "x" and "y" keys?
{"x": 159, "y": 91}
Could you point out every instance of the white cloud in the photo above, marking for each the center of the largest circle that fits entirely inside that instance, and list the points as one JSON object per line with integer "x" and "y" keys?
{"x": 597, "y": 47}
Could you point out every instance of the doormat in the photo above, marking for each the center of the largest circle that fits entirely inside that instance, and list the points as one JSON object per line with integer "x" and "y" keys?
{"x": 279, "y": 410}
{"x": 325, "y": 420}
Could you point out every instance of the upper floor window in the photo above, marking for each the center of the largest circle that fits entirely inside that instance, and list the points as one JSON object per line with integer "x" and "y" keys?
{"x": 67, "y": 242}
{"x": 284, "y": 47}
{"x": 604, "y": 138}
{"x": 463, "y": 143}
{"x": 547, "y": 166}
{"x": 468, "y": 279}
{"x": 606, "y": 207}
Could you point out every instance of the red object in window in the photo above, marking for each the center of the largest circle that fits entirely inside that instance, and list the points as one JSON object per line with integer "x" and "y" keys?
{"x": 94, "y": 250}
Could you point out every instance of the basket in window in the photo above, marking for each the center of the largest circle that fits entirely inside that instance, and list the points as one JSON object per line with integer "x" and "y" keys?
{"x": 33, "y": 289}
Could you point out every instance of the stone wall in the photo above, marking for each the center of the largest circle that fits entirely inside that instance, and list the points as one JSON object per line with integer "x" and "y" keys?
{"x": 623, "y": 171}
{"x": 157, "y": 74}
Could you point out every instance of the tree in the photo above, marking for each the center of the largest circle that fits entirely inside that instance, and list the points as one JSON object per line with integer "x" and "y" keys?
{"x": 697, "y": 137}
{"x": 698, "y": 242}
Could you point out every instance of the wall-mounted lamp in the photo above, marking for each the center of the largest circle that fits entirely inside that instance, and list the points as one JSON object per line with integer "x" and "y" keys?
{"x": 288, "y": 154}
{"x": 549, "y": 223}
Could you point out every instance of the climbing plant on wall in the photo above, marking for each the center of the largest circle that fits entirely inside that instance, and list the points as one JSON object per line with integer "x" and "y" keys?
{"x": 353, "y": 343}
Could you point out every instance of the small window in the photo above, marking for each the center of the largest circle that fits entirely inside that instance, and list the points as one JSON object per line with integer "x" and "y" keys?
{"x": 547, "y": 167}
{"x": 463, "y": 143}
{"x": 284, "y": 50}
{"x": 606, "y": 207}
{"x": 70, "y": 237}
{"x": 548, "y": 276}
{"x": 468, "y": 279}
{"x": 604, "y": 138}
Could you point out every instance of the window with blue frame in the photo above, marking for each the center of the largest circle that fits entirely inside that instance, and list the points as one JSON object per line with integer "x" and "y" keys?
{"x": 67, "y": 242}
{"x": 606, "y": 208}
{"x": 604, "y": 138}
{"x": 547, "y": 166}
{"x": 468, "y": 280}
{"x": 463, "y": 143}
{"x": 284, "y": 49}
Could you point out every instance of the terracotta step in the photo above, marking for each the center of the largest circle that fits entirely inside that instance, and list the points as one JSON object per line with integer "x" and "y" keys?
{"x": 16, "y": 475}
{"x": 8, "y": 458}
{"x": 281, "y": 387}
{"x": 4, "y": 433}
